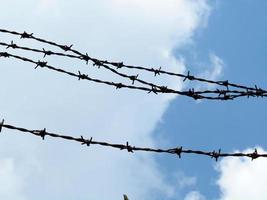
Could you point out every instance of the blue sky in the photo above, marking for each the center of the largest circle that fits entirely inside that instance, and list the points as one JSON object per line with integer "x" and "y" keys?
{"x": 236, "y": 32}
{"x": 224, "y": 39}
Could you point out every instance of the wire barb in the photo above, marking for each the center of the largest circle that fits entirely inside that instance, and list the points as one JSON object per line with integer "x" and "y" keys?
{"x": 26, "y": 35}
{"x": 42, "y": 133}
{"x": 1, "y": 125}
{"x": 40, "y": 64}
{"x": 179, "y": 151}
{"x": 153, "y": 89}
{"x": 134, "y": 78}
{"x": 119, "y": 65}
{"x": 86, "y": 142}
{"x": 189, "y": 77}
{"x": 47, "y": 53}
{"x": 156, "y": 71}
{"x": 82, "y": 76}
{"x": 65, "y": 47}
{"x": 254, "y": 155}
{"x": 4, "y": 54}
{"x": 216, "y": 155}
{"x": 11, "y": 45}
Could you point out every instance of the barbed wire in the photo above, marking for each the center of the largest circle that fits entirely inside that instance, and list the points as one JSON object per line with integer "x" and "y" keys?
{"x": 218, "y": 94}
{"x": 179, "y": 151}
{"x": 222, "y": 94}
{"x": 133, "y": 78}
{"x": 104, "y": 63}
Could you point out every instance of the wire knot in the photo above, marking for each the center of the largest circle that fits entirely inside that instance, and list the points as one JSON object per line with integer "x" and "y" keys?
{"x": 119, "y": 85}
{"x": 189, "y": 77}
{"x": 157, "y": 71}
{"x": 178, "y": 151}
{"x": 4, "y": 54}
{"x": 82, "y": 76}
{"x": 47, "y": 53}
{"x": 42, "y": 133}
{"x": 86, "y": 142}
{"x": 250, "y": 93}
{"x": 193, "y": 94}
{"x": 259, "y": 92}
{"x": 221, "y": 92}
{"x": 216, "y": 155}
{"x": 153, "y": 89}
{"x": 85, "y": 57}
{"x": 254, "y": 155}
{"x": 97, "y": 63}
{"x": 134, "y": 78}
{"x": 12, "y": 45}
{"x": 119, "y": 65}
{"x": 65, "y": 47}
{"x": 163, "y": 89}
{"x": 224, "y": 83}
{"x": 41, "y": 64}
{"x": 26, "y": 35}
{"x": 227, "y": 97}
{"x": 127, "y": 147}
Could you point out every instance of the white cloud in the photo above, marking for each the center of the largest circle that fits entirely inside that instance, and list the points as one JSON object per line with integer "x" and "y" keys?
{"x": 10, "y": 181}
{"x": 213, "y": 72}
{"x": 241, "y": 178}
{"x": 139, "y": 32}
{"x": 217, "y": 67}
{"x": 185, "y": 181}
{"x": 194, "y": 195}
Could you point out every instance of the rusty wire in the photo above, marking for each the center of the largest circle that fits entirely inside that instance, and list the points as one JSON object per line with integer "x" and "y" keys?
{"x": 131, "y": 149}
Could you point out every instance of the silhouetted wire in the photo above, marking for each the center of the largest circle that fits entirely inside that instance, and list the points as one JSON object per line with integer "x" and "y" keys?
{"x": 133, "y": 78}
{"x": 155, "y": 89}
{"x": 104, "y": 63}
{"x": 131, "y": 149}
{"x": 220, "y": 95}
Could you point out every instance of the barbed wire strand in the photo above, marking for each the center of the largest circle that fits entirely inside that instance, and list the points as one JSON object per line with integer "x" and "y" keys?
{"x": 103, "y": 63}
{"x": 131, "y": 149}
{"x": 133, "y": 78}
{"x": 222, "y": 94}
{"x": 84, "y": 76}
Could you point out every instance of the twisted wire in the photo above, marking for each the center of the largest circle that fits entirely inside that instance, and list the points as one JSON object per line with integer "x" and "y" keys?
{"x": 104, "y": 63}
{"x": 222, "y": 94}
{"x": 131, "y": 149}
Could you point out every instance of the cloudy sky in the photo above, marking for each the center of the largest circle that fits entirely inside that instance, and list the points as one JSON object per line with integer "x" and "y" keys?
{"x": 213, "y": 39}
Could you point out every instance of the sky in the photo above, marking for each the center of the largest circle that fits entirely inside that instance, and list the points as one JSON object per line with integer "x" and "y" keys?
{"x": 213, "y": 39}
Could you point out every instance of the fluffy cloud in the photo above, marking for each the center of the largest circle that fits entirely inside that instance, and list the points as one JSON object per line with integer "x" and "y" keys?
{"x": 194, "y": 195}
{"x": 10, "y": 180}
{"x": 213, "y": 71}
{"x": 240, "y": 178}
{"x": 137, "y": 32}
{"x": 217, "y": 67}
